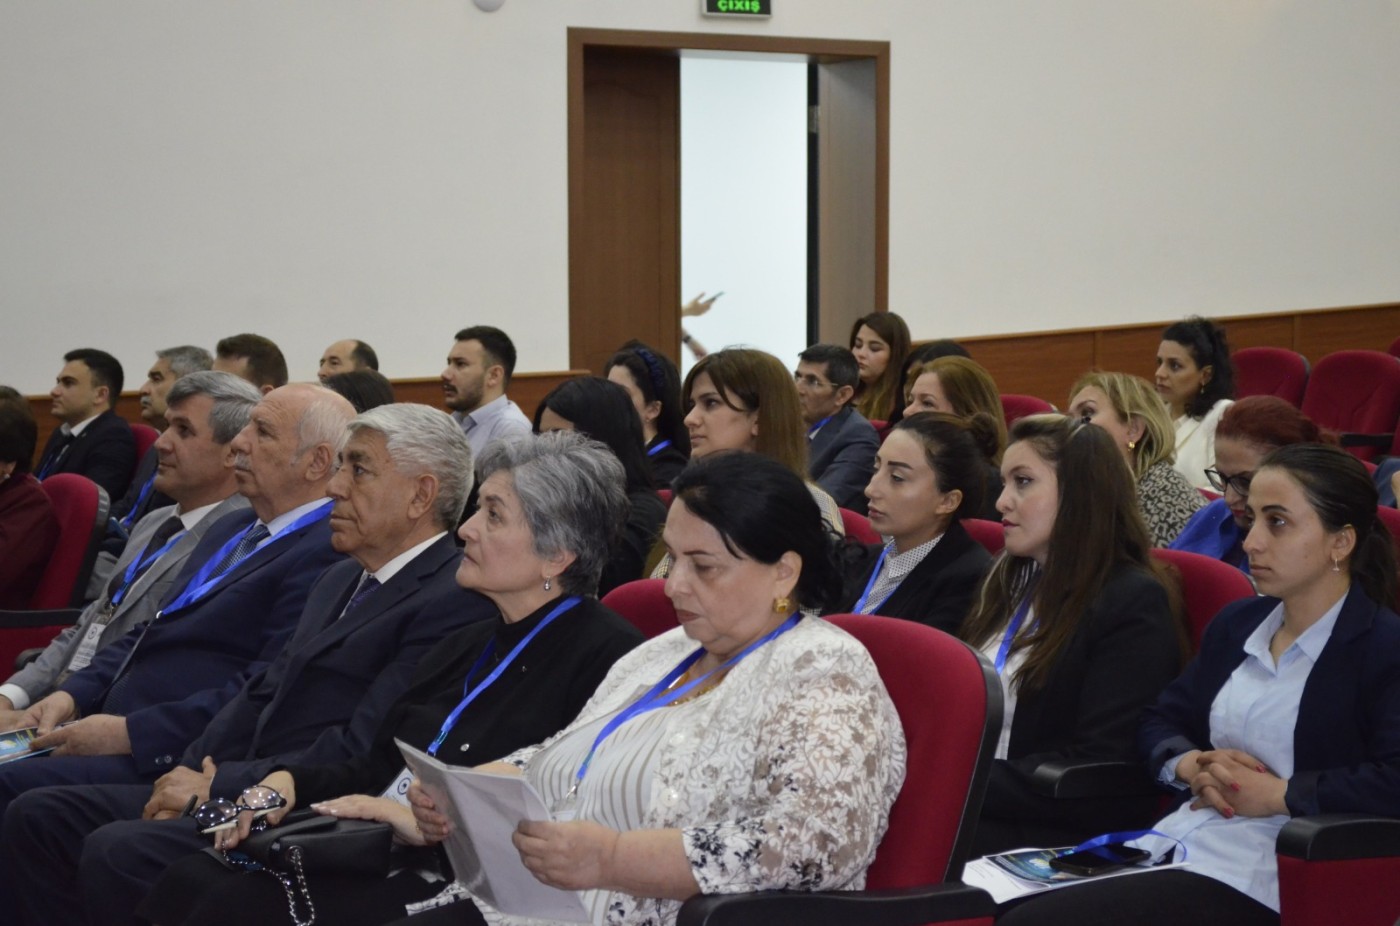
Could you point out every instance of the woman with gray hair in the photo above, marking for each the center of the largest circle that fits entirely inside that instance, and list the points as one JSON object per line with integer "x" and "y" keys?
{"x": 550, "y": 506}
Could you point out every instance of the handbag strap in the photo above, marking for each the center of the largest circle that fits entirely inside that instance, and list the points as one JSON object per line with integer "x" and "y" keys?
{"x": 295, "y": 886}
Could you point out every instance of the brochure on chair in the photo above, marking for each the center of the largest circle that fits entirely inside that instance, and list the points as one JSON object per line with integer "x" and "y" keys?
{"x": 14, "y": 745}
{"x": 485, "y": 809}
{"x": 1027, "y": 871}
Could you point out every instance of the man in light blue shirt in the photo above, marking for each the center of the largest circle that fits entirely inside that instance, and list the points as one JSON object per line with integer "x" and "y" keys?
{"x": 474, "y": 384}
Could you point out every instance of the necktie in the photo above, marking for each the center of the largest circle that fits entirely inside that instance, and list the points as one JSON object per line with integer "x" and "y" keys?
{"x": 241, "y": 550}
{"x": 168, "y": 528}
{"x": 368, "y": 584}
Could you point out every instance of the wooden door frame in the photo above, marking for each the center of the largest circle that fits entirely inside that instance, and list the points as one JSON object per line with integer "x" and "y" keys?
{"x": 811, "y": 50}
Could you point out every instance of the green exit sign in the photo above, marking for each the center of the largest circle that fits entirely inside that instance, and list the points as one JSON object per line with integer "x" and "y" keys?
{"x": 745, "y": 8}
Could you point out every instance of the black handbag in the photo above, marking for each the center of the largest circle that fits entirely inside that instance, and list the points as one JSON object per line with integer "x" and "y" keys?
{"x": 328, "y": 845}
{"x": 310, "y": 844}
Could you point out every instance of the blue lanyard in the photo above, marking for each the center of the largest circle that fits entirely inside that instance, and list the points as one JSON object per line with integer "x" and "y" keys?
{"x": 819, "y": 425}
{"x": 138, "y": 567}
{"x": 860, "y": 605}
{"x": 1093, "y": 845}
{"x": 653, "y": 451}
{"x": 203, "y": 583}
{"x": 659, "y": 696}
{"x": 470, "y": 694}
{"x": 1010, "y": 636}
{"x": 127, "y": 521}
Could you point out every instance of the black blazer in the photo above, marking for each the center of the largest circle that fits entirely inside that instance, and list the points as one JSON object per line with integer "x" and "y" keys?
{"x": 1124, "y": 652}
{"x": 666, "y": 464}
{"x": 939, "y": 590}
{"x": 104, "y": 452}
{"x": 1346, "y": 742}
{"x": 841, "y": 458}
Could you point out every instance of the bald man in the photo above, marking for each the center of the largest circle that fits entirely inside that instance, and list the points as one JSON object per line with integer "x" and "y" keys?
{"x": 345, "y": 356}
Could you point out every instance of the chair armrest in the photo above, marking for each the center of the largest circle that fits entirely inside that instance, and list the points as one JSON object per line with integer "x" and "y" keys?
{"x": 939, "y": 903}
{"x": 1335, "y": 837}
{"x": 55, "y": 617}
{"x": 1091, "y": 778}
{"x": 1356, "y": 439}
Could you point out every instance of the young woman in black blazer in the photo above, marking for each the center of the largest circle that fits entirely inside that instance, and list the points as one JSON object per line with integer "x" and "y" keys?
{"x": 1291, "y": 708}
{"x": 928, "y": 474}
{"x": 1079, "y": 626}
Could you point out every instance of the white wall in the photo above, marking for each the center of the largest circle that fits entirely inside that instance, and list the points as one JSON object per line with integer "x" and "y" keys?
{"x": 393, "y": 169}
{"x": 744, "y": 203}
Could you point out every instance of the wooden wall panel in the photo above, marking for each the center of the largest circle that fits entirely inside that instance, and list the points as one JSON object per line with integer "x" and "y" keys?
{"x": 1367, "y": 329}
{"x": 1043, "y": 365}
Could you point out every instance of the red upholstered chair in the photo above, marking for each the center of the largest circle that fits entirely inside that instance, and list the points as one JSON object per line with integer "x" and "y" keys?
{"x": 81, "y": 506}
{"x": 950, "y": 754}
{"x": 146, "y": 437}
{"x": 1339, "y": 868}
{"x": 882, "y": 428}
{"x": 1015, "y": 407}
{"x": 1395, "y": 348}
{"x": 990, "y": 534}
{"x": 858, "y": 526}
{"x": 1357, "y": 394}
{"x": 1207, "y": 585}
{"x": 665, "y": 495}
{"x": 644, "y": 605}
{"x": 1274, "y": 371}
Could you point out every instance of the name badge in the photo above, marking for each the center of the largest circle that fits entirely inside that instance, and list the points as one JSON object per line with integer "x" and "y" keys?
{"x": 398, "y": 791}
{"x": 88, "y": 647}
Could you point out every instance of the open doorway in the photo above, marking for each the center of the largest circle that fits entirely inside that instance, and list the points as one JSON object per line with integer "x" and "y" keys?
{"x": 625, "y": 186}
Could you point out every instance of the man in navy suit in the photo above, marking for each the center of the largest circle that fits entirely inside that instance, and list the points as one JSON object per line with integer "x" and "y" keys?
{"x": 91, "y": 441}
{"x": 842, "y": 448}
{"x": 232, "y": 609}
{"x": 404, "y": 477}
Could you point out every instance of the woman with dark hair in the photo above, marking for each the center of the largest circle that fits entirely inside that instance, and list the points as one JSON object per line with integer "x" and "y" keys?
{"x": 961, "y": 387}
{"x": 920, "y": 355}
{"x": 1078, "y": 625}
{"x": 1196, "y": 379}
{"x": 1129, "y": 409}
{"x": 364, "y": 389}
{"x": 880, "y": 342}
{"x": 601, "y": 410}
{"x": 928, "y": 476}
{"x": 28, "y": 525}
{"x": 1292, "y": 707}
{"x": 1250, "y": 430}
{"x": 745, "y": 399}
{"x": 654, "y": 386}
{"x": 549, "y": 505}
{"x": 766, "y": 757}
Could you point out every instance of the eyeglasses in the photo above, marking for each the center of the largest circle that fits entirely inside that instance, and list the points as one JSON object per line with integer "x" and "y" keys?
{"x": 810, "y": 381}
{"x": 1239, "y": 482}
{"x": 222, "y": 813}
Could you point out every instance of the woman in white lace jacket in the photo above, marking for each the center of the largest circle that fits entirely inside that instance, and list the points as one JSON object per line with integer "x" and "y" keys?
{"x": 772, "y": 760}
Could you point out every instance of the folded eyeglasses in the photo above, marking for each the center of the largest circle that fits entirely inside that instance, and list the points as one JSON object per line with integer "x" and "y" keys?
{"x": 222, "y": 814}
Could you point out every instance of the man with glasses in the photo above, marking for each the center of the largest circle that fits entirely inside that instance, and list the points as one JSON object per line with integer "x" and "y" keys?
{"x": 842, "y": 443}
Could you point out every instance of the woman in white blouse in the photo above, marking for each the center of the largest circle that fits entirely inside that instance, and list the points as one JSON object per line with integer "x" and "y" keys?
{"x": 1292, "y": 707}
{"x": 766, "y": 757}
{"x": 1196, "y": 379}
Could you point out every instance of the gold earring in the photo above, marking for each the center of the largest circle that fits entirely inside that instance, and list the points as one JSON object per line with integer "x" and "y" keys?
{"x": 1132, "y": 445}
{"x": 782, "y": 605}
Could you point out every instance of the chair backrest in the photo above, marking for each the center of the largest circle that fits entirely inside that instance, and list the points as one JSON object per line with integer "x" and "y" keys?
{"x": 644, "y": 605}
{"x": 1207, "y": 585}
{"x": 990, "y": 534}
{"x": 666, "y": 495}
{"x": 858, "y": 526}
{"x": 949, "y": 702}
{"x": 1274, "y": 371}
{"x": 882, "y": 428}
{"x": 1395, "y": 348}
{"x": 1015, "y": 407}
{"x": 146, "y": 437}
{"x": 81, "y": 506}
{"x": 1355, "y": 391}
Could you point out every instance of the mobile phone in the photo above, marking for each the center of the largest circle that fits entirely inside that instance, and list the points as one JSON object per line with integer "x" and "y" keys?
{"x": 1100, "y": 860}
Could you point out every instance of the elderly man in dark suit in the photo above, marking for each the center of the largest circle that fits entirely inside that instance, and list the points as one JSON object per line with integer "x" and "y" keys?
{"x": 145, "y": 697}
{"x": 91, "y": 441}
{"x": 206, "y": 411}
{"x": 841, "y": 454}
{"x": 404, "y": 477}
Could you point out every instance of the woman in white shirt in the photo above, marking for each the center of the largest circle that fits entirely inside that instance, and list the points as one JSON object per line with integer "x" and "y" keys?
{"x": 1197, "y": 381}
{"x": 1292, "y": 707}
